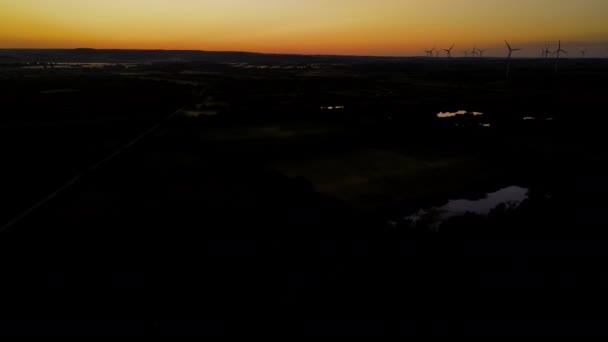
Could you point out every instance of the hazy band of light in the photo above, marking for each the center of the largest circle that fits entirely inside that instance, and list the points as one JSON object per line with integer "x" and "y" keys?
{"x": 370, "y": 27}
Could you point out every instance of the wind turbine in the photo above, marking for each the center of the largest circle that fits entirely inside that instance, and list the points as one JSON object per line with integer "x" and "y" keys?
{"x": 584, "y": 53}
{"x": 474, "y": 52}
{"x": 429, "y": 53}
{"x": 558, "y": 53}
{"x": 449, "y": 51}
{"x": 546, "y": 52}
{"x": 481, "y": 51}
{"x": 466, "y": 53}
{"x": 511, "y": 50}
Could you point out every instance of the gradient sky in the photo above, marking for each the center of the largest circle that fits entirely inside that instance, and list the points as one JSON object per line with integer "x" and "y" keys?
{"x": 365, "y": 27}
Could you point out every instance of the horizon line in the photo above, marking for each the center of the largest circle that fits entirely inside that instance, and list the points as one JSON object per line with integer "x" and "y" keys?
{"x": 280, "y": 53}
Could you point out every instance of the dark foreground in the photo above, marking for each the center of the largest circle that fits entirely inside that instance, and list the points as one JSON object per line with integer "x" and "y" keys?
{"x": 257, "y": 210}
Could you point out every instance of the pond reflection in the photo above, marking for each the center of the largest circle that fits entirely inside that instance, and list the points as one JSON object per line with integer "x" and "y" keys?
{"x": 511, "y": 197}
{"x": 442, "y": 115}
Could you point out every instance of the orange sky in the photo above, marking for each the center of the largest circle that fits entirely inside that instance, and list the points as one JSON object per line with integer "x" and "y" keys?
{"x": 369, "y": 27}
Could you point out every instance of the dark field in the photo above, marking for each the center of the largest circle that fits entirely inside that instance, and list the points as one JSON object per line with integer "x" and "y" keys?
{"x": 279, "y": 195}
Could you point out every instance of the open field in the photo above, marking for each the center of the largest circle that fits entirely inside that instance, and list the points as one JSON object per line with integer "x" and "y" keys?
{"x": 297, "y": 185}
{"x": 365, "y": 134}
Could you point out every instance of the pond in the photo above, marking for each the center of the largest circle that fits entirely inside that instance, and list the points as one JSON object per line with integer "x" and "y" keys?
{"x": 443, "y": 115}
{"x": 512, "y": 197}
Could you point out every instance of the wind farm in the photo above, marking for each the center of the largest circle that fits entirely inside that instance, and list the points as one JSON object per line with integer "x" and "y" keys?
{"x": 546, "y": 53}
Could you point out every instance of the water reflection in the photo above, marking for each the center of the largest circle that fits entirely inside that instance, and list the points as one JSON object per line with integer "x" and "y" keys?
{"x": 442, "y": 115}
{"x": 59, "y": 91}
{"x": 69, "y": 65}
{"x": 511, "y": 197}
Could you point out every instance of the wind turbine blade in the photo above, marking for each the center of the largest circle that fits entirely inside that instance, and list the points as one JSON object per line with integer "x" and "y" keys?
{"x": 508, "y": 44}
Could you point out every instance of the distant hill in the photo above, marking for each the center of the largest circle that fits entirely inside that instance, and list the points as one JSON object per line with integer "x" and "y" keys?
{"x": 152, "y": 56}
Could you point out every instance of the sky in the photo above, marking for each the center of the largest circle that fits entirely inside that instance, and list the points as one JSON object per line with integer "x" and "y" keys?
{"x": 360, "y": 27}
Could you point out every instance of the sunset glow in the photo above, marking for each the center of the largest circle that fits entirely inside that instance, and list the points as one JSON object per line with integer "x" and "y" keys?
{"x": 368, "y": 27}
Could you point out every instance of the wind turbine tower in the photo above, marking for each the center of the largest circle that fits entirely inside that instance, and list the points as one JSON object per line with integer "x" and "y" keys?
{"x": 511, "y": 50}
{"x": 558, "y": 53}
{"x": 474, "y": 52}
